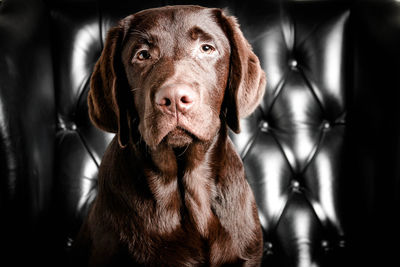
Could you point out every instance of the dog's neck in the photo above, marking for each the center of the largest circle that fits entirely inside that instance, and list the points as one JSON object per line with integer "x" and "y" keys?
{"x": 187, "y": 175}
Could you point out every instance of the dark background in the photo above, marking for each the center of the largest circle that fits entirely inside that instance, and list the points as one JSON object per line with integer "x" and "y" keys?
{"x": 50, "y": 152}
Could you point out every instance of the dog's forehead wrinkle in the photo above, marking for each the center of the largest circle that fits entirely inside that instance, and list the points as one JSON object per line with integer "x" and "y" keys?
{"x": 182, "y": 24}
{"x": 173, "y": 31}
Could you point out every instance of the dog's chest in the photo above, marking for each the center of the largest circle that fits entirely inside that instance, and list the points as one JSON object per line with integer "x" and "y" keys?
{"x": 183, "y": 222}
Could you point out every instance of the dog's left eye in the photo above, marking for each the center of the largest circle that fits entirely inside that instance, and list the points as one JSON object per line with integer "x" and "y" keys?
{"x": 143, "y": 55}
{"x": 206, "y": 48}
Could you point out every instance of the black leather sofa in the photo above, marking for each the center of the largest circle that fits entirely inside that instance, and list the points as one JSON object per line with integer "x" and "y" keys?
{"x": 322, "y": 152}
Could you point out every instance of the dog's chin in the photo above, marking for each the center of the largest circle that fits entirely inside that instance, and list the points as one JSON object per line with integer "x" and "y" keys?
{"x": 179, "y": 137}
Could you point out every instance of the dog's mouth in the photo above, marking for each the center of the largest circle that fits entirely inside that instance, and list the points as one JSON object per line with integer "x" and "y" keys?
{"x": 179, "y": 132}
{"x": 179, "y": 137}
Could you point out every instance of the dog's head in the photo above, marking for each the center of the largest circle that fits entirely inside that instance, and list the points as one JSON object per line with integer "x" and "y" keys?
{"x": 173, "y": 75}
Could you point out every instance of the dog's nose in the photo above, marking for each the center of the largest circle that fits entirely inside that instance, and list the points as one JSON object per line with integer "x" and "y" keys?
{"x": 175, "y": 97}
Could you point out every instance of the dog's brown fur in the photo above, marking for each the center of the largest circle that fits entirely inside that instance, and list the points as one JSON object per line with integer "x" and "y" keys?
{"x": 172, "y": 190}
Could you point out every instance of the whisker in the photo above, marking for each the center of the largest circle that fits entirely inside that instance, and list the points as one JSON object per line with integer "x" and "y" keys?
{"x": 181, "y": 154}
{"x": 150, "y": 116}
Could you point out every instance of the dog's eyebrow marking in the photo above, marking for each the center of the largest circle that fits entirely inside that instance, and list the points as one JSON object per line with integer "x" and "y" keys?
{"x": 196, "y": 33}
{"x": 142, "y": 36}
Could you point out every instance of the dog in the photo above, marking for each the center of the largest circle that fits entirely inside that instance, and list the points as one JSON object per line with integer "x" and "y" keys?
{"x": 171, "y": 82}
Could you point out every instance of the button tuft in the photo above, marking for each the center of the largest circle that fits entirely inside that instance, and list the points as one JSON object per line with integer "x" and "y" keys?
{"x": 293, "y": 64}
{"x": 73, "y": 126}
{"x": 268, "y": 248}
{"x": 325, "y": 245}
{"x": 295, "y": 185}
{"x": 69, "y": 242}
{"x": 264, "y": 126}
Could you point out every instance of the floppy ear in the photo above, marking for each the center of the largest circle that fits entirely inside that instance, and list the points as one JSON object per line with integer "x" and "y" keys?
{"x": 108, "y": 97}
{"x": 246, "y": 78}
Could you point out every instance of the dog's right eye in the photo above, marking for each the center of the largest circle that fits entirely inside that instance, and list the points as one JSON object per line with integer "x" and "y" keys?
{"x": 143, "y": 55}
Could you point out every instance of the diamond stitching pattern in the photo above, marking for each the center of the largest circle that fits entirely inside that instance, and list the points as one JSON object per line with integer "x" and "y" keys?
{"x": 299, "y": 138}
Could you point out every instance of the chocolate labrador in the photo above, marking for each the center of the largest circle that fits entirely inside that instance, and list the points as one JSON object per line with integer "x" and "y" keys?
{"x": 171, "y": 188}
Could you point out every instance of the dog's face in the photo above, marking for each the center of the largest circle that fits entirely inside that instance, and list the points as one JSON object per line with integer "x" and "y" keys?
{"x": 177, "y": 64}
{"x": 175, "y": 73}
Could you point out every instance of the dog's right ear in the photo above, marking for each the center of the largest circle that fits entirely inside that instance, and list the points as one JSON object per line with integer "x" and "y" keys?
{"x": 108, "y": 98}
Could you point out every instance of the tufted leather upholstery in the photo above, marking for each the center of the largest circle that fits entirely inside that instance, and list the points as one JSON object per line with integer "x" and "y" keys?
{"x": 295, "y": 140}
{"x": 320, "y": 152}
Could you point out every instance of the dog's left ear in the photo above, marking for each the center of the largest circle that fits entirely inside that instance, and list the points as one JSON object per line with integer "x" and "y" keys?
{"x": 246, "y": 78}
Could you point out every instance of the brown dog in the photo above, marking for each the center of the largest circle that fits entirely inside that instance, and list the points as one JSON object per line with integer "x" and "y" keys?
{"x": 171, "y": 188}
